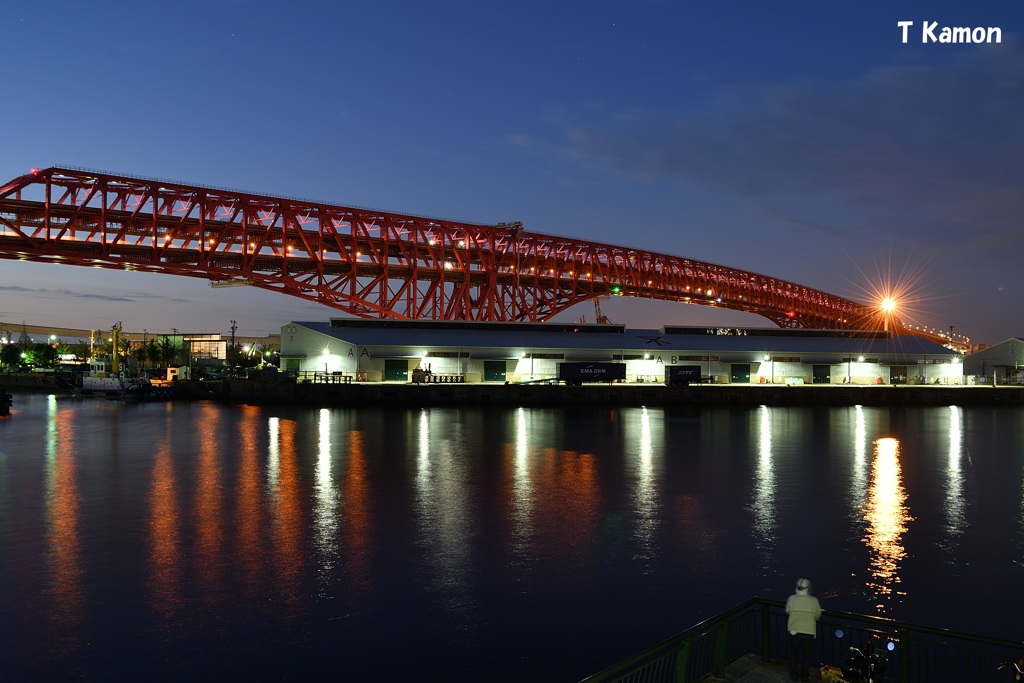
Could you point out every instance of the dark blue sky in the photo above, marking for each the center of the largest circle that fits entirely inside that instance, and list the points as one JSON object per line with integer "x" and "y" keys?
{"x": 801, "y": 140}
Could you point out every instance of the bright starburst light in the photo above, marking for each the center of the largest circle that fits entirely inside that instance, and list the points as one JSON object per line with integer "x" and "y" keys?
{"x": 898, "y": 296}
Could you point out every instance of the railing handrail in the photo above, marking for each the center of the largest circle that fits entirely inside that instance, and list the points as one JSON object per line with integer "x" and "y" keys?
{"x": 758, "y": 626}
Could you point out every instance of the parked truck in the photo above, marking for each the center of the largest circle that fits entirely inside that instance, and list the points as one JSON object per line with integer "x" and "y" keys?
{"x": 578, "y": 373}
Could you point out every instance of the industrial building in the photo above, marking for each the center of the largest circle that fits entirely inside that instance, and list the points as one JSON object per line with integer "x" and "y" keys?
{"x": 458, "y": 351}
{"x": 1002, "y": 362}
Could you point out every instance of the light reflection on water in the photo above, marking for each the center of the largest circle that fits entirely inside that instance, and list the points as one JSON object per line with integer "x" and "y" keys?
{"x": 956, "y": 504}
{"x": 887, "y": 518}
{"x": 64, "y": 538}
{"x": 444, "y": 510}
{"x": 646, "y": 494}
{"x": 519, "y": 453}
{"x": 209, "y": 510}
{"x": 287, "y": 536}
{"x": 249, "y": 495}
{"x": 165, "y": 563}
{"x": 764, "y": 491}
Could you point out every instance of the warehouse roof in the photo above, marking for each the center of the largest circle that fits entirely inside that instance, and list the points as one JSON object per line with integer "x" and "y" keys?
{"x": 452, "y": 334}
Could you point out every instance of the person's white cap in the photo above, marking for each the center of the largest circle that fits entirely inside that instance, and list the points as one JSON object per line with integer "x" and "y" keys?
{"x": 803, "y": 584}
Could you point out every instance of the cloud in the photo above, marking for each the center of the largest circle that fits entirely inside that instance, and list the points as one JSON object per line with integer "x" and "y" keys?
{"x": 70, "y": 294}
{"x": 935, "y": 151}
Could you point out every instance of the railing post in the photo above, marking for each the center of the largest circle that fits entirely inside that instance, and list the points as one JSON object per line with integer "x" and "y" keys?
{"x": 904, "y": 641}
{"x": 721, "y": 645}
{"x": 766, "y": 633}
{"x": 683, "y": 661}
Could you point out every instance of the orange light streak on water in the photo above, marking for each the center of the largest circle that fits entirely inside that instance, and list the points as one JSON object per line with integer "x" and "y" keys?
{"x": 164, "y": 536}
{"x": 887, "y": 516}
{"x": 65, "y": 554}
{"x": 355, "y": 505}
{"x": 209, "y": 506}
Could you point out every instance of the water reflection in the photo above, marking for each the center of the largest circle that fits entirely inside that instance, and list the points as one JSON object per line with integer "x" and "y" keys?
{"x": 164, "y": 536}
{"x": 558, "y": 528}
{"x": 209, "y": 506}
{"x": 859, "y": 477}
{"x": 62, "y": 508}
{"x": 887, "y": 516}
{"x": 522, "y": 498}
{"x": 445, "y": 510}
{"x": 956, "y": 506}
{"x": 285, "y": 501}
{"x": 645, "y": 491}
{"x": 279, "y": 538}
{"x": 325, "y": 507}
{"x": 249, "y": 498}
{"x": 357, "y": 527}
{"x": 763, "y": 506}
{"x": 567, "y": 520}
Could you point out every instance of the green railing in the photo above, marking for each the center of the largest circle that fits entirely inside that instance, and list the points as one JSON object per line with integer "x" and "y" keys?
{"x": 758, "y": 627}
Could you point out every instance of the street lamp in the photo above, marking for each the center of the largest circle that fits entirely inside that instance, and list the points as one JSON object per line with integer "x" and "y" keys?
{"x": 888, "y": 307}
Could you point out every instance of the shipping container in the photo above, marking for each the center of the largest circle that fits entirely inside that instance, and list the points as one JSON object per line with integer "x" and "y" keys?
{"x": 682, "y": 375}
{"x": 578, "y": 373}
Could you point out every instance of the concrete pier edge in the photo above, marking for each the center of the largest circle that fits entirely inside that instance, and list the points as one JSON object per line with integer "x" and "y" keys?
{"x": 357, "y": 394}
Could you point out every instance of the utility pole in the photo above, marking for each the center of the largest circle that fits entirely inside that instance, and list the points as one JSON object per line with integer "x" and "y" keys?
{"x": 232, "y": 354}
{"x": 115, "y": 342}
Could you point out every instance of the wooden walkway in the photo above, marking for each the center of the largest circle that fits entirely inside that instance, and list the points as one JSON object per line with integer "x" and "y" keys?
{"x": 751, "y": 669}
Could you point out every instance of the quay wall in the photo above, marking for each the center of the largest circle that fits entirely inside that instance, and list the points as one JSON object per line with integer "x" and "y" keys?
{"x": 358, "y": 394}
{"x": 29, "y": 382}
{"x": 387, "y": 393}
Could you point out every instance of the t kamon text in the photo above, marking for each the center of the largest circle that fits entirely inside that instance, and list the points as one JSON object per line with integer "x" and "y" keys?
{"x": 931, "y": 32}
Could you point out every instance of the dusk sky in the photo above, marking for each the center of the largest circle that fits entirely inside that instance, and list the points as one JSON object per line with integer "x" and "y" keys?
{"x": 801, "y": 140}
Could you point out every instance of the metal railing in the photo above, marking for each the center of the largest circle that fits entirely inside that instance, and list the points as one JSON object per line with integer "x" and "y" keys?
{"x": 758, "y": 627}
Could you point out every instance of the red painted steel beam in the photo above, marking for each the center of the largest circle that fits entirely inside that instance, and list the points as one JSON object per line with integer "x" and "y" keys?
{"x": 370, "y": 263}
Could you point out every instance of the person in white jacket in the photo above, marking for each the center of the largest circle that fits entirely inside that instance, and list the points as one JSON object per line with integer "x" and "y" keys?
{"x": 804, "y": 611}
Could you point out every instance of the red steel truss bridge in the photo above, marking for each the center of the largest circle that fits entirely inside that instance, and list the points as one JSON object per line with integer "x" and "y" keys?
{"x": 369, "y": 263}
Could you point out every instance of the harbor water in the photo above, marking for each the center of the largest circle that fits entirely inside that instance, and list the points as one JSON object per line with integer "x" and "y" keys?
{"x": 205, "y": 541}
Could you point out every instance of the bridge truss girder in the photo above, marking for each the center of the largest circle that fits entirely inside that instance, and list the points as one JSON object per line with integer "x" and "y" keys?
{"x": 370, "y": 263}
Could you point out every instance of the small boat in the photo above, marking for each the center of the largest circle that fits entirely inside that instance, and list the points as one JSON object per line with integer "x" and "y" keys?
{"x": 111, "y": 386}
{"x": 153, "y": 392}
{"x": 5, "y": 403}
{"x": 105, "y": 377}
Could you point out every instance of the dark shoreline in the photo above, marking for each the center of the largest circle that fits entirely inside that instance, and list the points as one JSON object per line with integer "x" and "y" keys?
{"x": 387, "y": 393}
